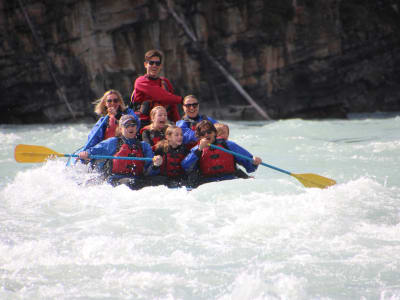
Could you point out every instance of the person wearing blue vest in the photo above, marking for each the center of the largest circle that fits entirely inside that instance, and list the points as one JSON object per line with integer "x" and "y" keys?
{"x": 190, "y": 119}
{"x": 207, "y": 164}
{"x": 134, "y": 173}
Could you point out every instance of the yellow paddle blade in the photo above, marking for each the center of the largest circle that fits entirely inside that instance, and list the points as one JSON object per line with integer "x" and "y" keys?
{"x": 314, "y": 180}
{"x": 33, "y": 153}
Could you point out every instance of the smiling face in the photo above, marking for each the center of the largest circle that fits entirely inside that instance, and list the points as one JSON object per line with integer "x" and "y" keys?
{"x": 112, "y": 102}
{"x": 159, "y": 117}
{"x": 191, "y": 107}
{"x": 128, "y": 130}
{"x": 153, "y": 66}
{"x": 175, "y": 138}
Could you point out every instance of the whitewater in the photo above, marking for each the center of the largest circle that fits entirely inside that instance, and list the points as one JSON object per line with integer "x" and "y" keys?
{"x": 262, "y": 238}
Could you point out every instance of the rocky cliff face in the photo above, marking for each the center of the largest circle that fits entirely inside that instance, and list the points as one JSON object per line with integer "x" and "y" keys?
{"x": 296, "y": 58}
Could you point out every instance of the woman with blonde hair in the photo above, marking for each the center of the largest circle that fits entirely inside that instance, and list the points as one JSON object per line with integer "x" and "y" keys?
{"x": 110, "y": 107}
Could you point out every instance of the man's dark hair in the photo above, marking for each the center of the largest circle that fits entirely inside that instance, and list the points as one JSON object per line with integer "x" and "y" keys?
{"x": 153, "y": 53}
{"x": 205, "y": 124}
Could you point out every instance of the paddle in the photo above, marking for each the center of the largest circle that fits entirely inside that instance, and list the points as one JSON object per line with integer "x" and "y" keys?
{"x": 37, "y": 154}
{"x": 308, "y": 180}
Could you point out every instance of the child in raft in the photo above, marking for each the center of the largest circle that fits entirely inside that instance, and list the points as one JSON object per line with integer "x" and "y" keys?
{"x": 223, "y": 133}
{"x": 155, "y": 132}
{"x": 207, "y": 164}
{"x": 172, "y": 152}
{"x": 134, "y": 173}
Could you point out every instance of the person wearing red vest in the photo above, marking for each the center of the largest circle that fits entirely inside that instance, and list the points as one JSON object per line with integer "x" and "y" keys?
{"x": 152, "y": 89}
{"x": 135, "y": 173}
{"x": 110, "y": 107}
{"x": 206, "y": 164}
{"x": 155, "y": 132}
{"x": 173, "y": 152}
{"x": 223, "y": 134}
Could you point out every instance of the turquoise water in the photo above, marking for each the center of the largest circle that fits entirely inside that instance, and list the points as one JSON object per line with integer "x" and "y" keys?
{"x": 262, "y": 238}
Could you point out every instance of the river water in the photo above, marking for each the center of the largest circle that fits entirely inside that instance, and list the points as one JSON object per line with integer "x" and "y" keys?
{"x": 262, "y": 238}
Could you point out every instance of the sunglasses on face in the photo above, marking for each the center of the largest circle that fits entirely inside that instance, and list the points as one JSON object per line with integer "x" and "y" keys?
{"x": 129, "y": 125}
{"x": 208, "y": 131}
{"x": 153, "y": 62}
{"x": 194, "y": 105}
{"x": 115, "y": 100}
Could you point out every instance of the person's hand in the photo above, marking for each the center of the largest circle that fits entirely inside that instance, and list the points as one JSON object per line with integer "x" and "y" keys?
{"x": 203, "y": 143}
{"x": 112, "y": 111}
{"x": 157, "y": 160}
{"x": 256, "y": 160}
{"x": 83, "y": 155}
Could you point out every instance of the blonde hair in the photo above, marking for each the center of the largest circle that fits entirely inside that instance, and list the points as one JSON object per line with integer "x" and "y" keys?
{"x": 164, "y": 144}
{"x": 153, "y": 113}
{"x": 100, "y": 107}
{"x": 221, "y": 127}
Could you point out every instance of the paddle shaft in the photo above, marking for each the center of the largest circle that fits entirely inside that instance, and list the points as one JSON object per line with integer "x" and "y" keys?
{"x": 250, "y": 159}
{"x": 111, "y": 157}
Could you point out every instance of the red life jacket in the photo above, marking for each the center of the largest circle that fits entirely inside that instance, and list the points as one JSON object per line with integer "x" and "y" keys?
{"x": 134, "y": 167}
{"x": 171, "y": 165}
{"x": 214, "y": 162}
{"x": 111, "y": 127}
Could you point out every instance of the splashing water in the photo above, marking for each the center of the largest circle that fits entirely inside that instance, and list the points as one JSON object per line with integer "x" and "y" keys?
{"x": 262, "y": 238}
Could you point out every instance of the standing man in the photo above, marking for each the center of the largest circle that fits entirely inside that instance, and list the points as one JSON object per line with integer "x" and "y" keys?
{"x": 152, "y": 90}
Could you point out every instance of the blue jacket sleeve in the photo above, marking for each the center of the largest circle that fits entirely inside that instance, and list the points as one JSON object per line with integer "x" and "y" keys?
{"x": 106, "y": 147}
{"x": 97, "y": 133}
{"x": 212, "y": 120}
{"x": 188, "y": 134}
{"x": 189, "y": 163}
{"x": 247, "y": 164}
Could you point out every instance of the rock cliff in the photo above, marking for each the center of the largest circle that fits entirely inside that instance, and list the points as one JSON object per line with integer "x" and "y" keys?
{"x": 295, "y": 58}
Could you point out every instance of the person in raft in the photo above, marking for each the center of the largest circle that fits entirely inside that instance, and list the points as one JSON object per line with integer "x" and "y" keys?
{"x": 151, "y": 90}
{"x": 173, "y": 152}
{"x": 190, "y": 120}
{"x": 134, "y": 173}
{"x": 206, "y": 164}
{"x": 223, "y": 133}
{"x": 110, "y": 107}
{"x": 155, "y": 132}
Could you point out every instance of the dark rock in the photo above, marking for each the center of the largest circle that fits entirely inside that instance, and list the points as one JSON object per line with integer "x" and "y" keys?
{"x": 318, "y": 59}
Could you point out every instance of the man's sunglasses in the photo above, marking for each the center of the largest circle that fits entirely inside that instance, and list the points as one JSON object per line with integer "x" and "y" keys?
{"x": 191, "y": 105}
{"x": 115, "y": 100}
{"x": 208, "y": 131}
{"x": 153, "y": 62}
